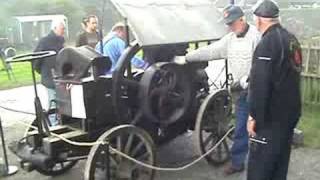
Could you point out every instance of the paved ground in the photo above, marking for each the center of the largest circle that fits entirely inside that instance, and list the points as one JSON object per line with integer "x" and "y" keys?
{"x": 305, "y": 163}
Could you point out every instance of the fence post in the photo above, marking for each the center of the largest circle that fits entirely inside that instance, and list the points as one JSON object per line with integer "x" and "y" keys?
{"x": 308, "y": 58}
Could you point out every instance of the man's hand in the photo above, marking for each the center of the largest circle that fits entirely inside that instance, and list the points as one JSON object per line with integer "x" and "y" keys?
{"x": 180, "y": 60}
{"x": 244, "y": 82}
{"x": 251, "y": 126}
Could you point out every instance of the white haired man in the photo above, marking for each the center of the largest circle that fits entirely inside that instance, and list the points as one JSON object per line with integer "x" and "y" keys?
{"x": 54, "y": 41}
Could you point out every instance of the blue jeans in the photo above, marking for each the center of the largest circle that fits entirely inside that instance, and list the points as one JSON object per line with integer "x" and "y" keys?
{"x": 239, "y": 149}
{"x": 51, "y": 105}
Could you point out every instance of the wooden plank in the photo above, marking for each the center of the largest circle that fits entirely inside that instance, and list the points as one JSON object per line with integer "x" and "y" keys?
{"x": 53, "y": 146}
{"x": 317, "y": 57}
{"x": 307, "y": 62}
{"x": 310, "y": 75}
{"x": 67, "y": 135}
{"x": 310, "y": 47}
{"x": 318, "y": 92}
{"x": 317, "y": 80}
{"x": 303, "y": 88}
{"x": 56, "y": 129}
{"x": 313, "y": 90}
{"x": 308, "y": 90}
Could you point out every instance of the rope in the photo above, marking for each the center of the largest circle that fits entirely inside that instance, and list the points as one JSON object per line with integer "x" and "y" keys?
{"x": 178, "y": 168}
{"x": 18, "y": 111}
{"x": 121, "y": 153}
{"x": 61, "y": 137}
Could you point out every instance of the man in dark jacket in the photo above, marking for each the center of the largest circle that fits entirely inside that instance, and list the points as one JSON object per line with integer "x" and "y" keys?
{"x": 54, "y": 41}
{"x": 274, "y": 96}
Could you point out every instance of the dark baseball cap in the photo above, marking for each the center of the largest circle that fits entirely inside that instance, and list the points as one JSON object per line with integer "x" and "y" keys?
{"x": 232, "y": 13}
{"x": 266, "y": 9}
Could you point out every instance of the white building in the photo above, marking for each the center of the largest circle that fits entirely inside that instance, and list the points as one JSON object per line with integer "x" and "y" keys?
{"x": 31, "y": 28}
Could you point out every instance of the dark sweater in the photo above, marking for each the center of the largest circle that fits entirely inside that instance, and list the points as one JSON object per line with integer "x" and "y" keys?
{"x": 51, "y": 42}
{"x": 86, "y": 38}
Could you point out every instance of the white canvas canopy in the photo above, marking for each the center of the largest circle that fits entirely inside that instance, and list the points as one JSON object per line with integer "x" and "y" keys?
{"x": 156, "y": 22}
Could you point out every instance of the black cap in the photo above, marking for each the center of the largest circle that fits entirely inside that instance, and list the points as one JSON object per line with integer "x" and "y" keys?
{"x": 266, "y": 8}
{"x": 232, "y": 13}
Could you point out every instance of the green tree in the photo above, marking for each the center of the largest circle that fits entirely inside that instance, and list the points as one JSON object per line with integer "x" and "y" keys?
{"x": 4, "y": 18}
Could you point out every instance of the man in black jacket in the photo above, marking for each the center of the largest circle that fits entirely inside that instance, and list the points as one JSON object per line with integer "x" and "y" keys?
{"x": 54, "y": 41}
{"x": 274, "y": 96}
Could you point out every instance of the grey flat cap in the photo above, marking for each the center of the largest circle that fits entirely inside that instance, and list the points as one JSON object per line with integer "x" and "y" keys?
{"x": 266, "y": 8}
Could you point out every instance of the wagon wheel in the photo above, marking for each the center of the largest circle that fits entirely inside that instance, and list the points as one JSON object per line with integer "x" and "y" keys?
{"x": 124, "y": 85}
{"x": 57, "y": 168}
{"x": 166, "y": 93}
{"x": 212, "y": 123}
{"x": 132, "y": 141}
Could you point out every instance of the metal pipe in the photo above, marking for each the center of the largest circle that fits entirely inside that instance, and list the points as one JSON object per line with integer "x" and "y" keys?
{"x": 107, "y": 160}
{"x": 127, "y": 32}
{"x": 8, "y": 170}
{"x": 6, "y": 164}
{"x": 34, "y": 80}
{"x": 227, "y": 73}
{"x": 129, "y": 70}
{"x": 38, "y": 107}
{"x": 101, "y": 26}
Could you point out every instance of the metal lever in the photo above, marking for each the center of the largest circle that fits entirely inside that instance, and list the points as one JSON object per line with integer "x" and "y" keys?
{"x": 5, "y": 170}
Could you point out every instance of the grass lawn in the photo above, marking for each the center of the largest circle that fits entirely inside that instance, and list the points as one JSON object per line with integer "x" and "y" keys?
{"x": 22, "y": 76}
{"x": 310, "y": 125}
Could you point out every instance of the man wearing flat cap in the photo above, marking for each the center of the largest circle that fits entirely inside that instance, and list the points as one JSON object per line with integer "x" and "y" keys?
{"x": 237, "y": 46}
{"x": 274, "y": 96}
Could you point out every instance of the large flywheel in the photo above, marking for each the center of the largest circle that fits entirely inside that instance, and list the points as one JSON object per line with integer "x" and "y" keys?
{"x": 165, "y": 93}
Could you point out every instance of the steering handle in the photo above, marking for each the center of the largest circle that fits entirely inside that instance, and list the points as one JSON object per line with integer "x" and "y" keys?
{"x": 31, "y": 56}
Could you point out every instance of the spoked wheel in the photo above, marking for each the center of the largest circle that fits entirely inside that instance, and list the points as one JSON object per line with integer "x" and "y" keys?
{"x": 56, "y": 168}
{"x": 130, "y": 140}
{"x": 211, "y": 125}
